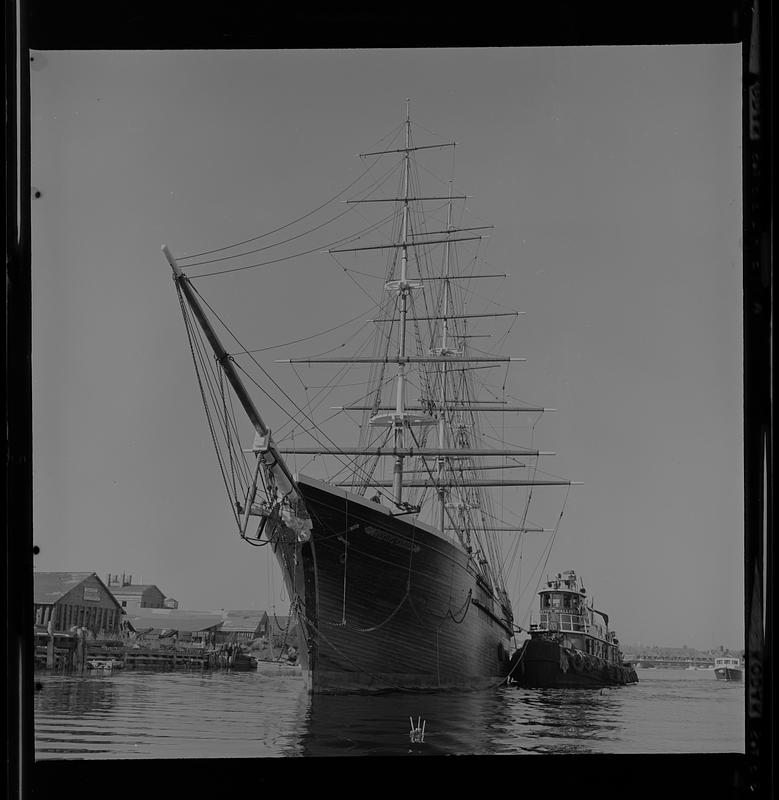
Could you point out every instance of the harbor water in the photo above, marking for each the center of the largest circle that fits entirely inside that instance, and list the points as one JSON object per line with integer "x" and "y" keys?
{"x": 129, "y": 714}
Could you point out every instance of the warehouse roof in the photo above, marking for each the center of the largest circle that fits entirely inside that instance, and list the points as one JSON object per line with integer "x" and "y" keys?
{"x": 48, "y": 587}
{"x": 174, "y": 620}
{"x": 242, "y": 620}
{"x": 177, "y": 613}
{"x": 134, "y": 588}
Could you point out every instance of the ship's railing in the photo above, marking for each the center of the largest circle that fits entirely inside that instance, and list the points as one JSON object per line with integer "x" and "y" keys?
{"x": 566, "y": 623}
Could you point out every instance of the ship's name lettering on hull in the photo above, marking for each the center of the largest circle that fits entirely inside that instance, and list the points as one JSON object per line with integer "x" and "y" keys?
{"x": 386, "y": 536}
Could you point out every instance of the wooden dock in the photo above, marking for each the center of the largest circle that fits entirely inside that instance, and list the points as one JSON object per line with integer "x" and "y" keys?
{"x": 169, "y": 659}
{"x": 65, "y": 652}
{"x": 55, "y": 651}
{"x": 61, "y": 653}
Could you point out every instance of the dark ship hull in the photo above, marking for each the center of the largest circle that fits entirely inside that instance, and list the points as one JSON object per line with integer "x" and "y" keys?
{"x": 384, "y": 604}
{"x": 728, "y": 674}
{"x": 543, "y": 663}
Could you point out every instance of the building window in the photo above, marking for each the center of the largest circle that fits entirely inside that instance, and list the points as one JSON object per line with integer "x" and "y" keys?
{"x": 124, "y": 604}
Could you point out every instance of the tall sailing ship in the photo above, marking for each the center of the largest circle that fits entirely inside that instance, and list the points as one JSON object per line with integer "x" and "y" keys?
{"x": 394, "y": 559}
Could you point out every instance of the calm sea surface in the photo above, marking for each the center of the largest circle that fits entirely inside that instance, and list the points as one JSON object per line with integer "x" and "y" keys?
{"x": 136, "y": 714}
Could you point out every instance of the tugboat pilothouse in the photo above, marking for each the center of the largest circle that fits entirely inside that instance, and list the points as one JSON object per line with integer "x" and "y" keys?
{"x": 571, "y": 644}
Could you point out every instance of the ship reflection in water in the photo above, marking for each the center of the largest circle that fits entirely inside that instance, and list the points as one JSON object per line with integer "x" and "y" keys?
{"x": 455, "y": 722}
{"x": 202, "y": 715}
{"x": 478, "y": 723}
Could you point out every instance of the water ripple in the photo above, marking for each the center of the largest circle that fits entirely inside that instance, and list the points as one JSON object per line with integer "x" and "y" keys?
{"x": 136, "y": 714}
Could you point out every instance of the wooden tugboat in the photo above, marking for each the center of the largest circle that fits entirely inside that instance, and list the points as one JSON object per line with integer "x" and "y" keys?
{"x": 571, "y": 645}
{"x": 728, "y": 668}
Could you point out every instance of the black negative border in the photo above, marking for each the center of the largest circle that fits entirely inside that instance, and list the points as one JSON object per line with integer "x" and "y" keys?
{"x": 176, "y": 25}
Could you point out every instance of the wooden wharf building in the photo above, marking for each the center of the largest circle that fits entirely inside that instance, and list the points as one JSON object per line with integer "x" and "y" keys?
{"x": 154, "y": 625}
{"x": 135, "y": 595}
{"x": 243, "y": 626}
{"x": 69, "y": 599}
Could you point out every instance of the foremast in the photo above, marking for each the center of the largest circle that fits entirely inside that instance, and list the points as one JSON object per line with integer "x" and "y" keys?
{"x": 401, "y": 419}
{"x": 403, "y": 290}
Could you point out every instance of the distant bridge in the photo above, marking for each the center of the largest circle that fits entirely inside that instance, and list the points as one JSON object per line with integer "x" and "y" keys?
{"x": 680, "y": 662}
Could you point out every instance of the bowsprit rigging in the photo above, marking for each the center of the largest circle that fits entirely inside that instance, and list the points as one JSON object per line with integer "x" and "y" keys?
{"x": 394, "y": 548}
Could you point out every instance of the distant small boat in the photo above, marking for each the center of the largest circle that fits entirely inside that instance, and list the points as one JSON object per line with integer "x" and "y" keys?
{"x": 104, "y": 663}
{"x": 242, "y": 662}
{"x": 728, "y": 668}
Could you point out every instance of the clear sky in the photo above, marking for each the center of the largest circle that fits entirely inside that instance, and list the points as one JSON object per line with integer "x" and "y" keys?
{"x": 613, "y": 178}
